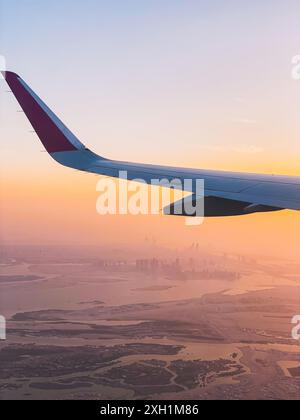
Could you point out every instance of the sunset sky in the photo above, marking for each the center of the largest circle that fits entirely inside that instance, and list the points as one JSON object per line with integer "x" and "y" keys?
{"x": 204, "y": 84}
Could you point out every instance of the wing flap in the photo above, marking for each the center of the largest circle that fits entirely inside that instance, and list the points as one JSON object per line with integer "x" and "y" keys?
{"x": 214, "y": 207}
{"x": 255, "y": 198}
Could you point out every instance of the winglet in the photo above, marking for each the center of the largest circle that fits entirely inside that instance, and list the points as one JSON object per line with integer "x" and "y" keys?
{"x": 54, "y": 135}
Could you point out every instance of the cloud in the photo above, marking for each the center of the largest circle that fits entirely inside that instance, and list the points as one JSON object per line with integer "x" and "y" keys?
{"x": 244, "y": 121}
{"x": 246, "y": 149}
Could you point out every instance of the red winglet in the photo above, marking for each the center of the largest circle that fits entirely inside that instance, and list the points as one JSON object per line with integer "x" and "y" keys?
{"x": 54, "y": 135}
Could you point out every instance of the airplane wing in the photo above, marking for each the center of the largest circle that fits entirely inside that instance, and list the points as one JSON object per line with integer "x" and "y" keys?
{"x": 226, "y": 193}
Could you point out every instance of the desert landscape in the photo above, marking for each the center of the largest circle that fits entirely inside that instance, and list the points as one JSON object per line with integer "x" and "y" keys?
{"x": 185, "y": 325}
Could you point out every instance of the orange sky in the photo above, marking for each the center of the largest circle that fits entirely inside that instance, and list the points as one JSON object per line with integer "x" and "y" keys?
{"x": 60, "y": 208}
